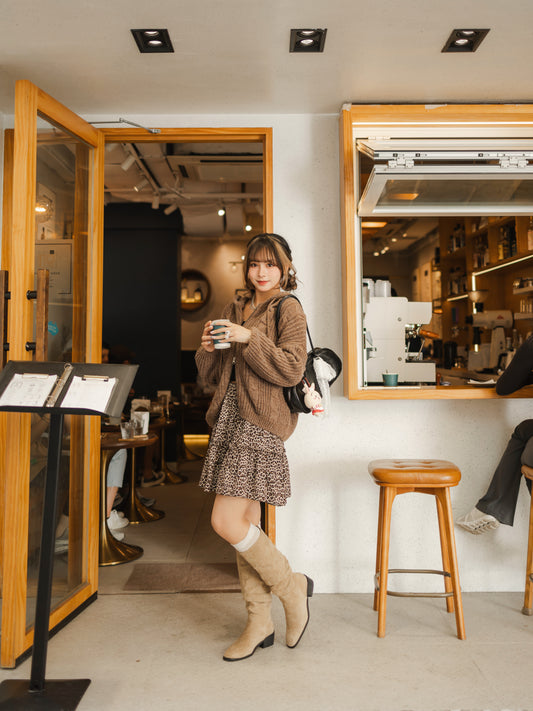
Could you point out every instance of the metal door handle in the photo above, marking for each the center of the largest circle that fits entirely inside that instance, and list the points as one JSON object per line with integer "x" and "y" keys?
{"x": 4, "y": 297}
{"x": 40, "y": 345}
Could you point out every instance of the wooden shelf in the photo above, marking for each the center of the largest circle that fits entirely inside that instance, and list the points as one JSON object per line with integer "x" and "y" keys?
{"x": 523, "y": 290}
{"x": 522, "y": 317}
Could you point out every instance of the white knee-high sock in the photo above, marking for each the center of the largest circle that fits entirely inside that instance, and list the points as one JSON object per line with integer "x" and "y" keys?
{"x": 249, "y": 539}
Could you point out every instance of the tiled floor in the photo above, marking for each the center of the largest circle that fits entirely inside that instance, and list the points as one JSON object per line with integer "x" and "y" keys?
{"x": 163, "y": 651}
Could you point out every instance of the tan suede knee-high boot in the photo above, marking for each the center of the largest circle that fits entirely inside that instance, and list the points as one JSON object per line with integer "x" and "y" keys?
{"x": 259, "y": 630}
{"x": 293, "y": 589}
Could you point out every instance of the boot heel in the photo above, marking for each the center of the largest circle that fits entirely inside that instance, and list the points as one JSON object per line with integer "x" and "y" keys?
{"x": 267, "y": 642}
{"x": 310, "y": 587}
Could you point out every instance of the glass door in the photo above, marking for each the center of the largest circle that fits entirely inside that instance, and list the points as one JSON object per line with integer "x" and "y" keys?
{"x": 53, "y": 260}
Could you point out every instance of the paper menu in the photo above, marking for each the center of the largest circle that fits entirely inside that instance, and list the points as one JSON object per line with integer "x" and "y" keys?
{"x": 89, "y": 393}
{"x": 28, "y": 390}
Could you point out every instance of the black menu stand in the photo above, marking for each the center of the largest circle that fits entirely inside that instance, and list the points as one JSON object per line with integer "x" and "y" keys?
{"x": 63, "y": 694}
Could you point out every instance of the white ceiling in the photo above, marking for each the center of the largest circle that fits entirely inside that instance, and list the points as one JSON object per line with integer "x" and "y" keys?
{"x": 232, "y": 56}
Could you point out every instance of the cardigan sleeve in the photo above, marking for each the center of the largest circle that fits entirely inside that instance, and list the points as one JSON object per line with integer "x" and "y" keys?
{"x": 519, "y": 371}
{"x": 209, "y": 364}
{"x": 281, "y": 363}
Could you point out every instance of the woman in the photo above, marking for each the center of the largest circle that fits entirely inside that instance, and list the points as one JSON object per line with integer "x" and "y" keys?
{"x": 246, "y": 463}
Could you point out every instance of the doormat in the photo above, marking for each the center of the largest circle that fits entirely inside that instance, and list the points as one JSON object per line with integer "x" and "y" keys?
{"x": 183, "y": 577}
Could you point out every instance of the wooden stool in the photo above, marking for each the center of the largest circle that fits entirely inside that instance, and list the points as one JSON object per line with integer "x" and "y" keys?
{"x": 528, "y": 596}
{"x": 427, "y": 476}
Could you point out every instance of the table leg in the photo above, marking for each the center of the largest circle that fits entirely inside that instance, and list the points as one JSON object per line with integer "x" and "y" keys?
{"x": 170, "y": 476}
{"x": 133, "y": 508}
{"x": 111, "y": 551}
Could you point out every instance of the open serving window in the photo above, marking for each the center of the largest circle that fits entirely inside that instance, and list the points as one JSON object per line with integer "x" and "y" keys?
{"x": 437, "y": 247}
{"x": 447, "y": 176}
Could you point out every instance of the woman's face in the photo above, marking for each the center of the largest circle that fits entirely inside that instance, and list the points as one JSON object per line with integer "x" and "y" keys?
{"x": 264, "y": 274}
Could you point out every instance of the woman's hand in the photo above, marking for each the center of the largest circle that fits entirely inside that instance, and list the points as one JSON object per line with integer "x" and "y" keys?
{"x": 233, "y": 333}
{"x": 237, "y": 334}
{"x": 206, "y": 340}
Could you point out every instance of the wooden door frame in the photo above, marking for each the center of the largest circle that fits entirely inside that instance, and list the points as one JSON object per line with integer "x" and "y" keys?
{"x": 215, "y": 135}
{"x": 18, "y": 224}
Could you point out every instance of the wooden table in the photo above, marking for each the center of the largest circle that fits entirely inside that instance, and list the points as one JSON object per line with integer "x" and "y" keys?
{"x": 111, "y": 551}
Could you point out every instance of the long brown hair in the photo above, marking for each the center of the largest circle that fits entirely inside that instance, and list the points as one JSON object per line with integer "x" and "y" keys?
{"x": 276, "y": 248}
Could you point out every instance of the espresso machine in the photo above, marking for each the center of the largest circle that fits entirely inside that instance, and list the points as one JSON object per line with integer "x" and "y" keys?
{"x": 496, "y": 322}
{"x": 393, "y": 338}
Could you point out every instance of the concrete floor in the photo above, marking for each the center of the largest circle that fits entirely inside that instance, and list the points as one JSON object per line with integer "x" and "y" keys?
{"x": 163, "y": 651}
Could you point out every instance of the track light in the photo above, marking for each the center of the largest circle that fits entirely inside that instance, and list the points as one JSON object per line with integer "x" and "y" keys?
{"x": 128, "y": 162}
{"x": 170, "y": 209}
{"x": 155, "y": 201}
{"x": 140, "y": 185}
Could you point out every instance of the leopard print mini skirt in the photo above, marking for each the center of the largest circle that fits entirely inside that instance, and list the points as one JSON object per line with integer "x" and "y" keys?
{"x": 244, "y": 460}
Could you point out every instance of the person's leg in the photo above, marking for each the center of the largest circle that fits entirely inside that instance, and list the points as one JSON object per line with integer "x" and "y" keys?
{"x": 502, "y": 494}
{"x": 114, "y": 480}
{"x": 233, "y": 520}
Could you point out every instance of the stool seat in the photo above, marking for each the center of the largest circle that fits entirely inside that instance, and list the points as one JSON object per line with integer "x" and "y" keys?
{"x": 432, "y": 477}
{"x": 414, "y": 472}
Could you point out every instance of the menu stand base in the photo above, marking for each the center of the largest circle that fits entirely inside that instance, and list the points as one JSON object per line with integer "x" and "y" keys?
{"x": 57, "y": 695}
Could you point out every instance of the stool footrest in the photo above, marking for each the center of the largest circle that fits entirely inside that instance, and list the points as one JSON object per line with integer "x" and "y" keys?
{"x": 392, "y": 593}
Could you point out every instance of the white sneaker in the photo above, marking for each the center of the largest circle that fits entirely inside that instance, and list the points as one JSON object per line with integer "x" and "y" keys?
{"x": 476, "y": 522}
{"x": 115, "y": 521}
{"x": 116, "y": 534}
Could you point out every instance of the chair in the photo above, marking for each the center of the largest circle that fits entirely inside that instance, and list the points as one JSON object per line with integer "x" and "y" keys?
{"x": 426, "y": 476}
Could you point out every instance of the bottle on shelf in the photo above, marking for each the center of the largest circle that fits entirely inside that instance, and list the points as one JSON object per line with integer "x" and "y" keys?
{"x": 530, "y": 235}
{"x": 198, "y": 294}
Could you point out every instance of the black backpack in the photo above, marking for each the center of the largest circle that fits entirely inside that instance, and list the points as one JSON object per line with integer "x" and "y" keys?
{"x": 294, "y": 394}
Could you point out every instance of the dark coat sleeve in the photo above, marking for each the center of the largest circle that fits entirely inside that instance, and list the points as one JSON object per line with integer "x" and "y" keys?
{"x": 519, "y": 371}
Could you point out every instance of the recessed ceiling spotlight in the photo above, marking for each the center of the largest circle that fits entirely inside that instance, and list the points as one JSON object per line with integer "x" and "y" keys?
{"x": 464, "y": 40}
{"x": 152, "y": 40}
{"x": 307, "y": 40}
{"x": 221, "y": 212}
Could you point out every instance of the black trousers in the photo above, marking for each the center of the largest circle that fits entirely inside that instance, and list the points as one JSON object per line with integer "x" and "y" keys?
{"x": 502, "y": 494}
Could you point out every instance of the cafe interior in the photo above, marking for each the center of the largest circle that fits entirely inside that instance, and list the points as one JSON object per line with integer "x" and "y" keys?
{"x": 416, "y": 266}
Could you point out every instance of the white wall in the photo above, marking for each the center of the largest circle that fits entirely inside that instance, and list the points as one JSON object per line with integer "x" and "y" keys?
{"x": 328, "y": 528}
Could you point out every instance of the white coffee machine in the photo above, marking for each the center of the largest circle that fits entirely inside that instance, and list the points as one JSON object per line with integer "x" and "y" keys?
{"x": 391, "y": 324}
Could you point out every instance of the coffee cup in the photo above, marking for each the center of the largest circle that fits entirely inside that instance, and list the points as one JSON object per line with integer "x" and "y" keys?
{"x": 390, "y": 379}
{"x": 218, "y": 332}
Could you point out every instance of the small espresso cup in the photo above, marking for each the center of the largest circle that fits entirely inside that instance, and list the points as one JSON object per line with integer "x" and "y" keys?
{"x": 390, "y": 379}
{"x": 218, "y": 331}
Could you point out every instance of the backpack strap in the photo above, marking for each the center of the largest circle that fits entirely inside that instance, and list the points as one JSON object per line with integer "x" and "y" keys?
{"x": 278, "y": 311}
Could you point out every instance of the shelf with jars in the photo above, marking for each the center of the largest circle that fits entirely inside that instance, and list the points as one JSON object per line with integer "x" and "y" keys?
{"x": 495, "y": 256}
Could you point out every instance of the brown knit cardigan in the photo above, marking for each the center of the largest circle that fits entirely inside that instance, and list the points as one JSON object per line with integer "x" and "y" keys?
{"x": 263, "y": 366}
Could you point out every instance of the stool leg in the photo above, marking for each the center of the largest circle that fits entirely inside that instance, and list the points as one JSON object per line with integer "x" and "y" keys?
{"x": 445, "y": 553}
{"x": 528, "y": 597}
{"x": 444, "y": 498}
{"x": 378, "y": 546}
{"x": 389, "y": 492}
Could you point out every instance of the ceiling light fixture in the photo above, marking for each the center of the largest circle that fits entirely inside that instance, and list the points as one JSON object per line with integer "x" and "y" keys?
{"x": 152, "y": 40}
{"x": 143, "y": 183}
{"x": 248, "y": 228}
{"x": 371, "y": 225}
{"x": 170, "y": 209}
{"x": 221, "y": 212}
{"x": 155, "y": 201}
{"x": 307, "y": 40}
{"x": 464, "y": 40}
{"x": 128, "y": 162}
